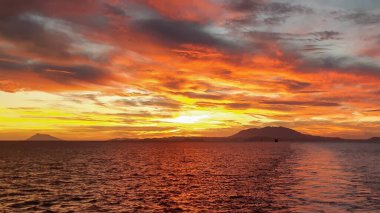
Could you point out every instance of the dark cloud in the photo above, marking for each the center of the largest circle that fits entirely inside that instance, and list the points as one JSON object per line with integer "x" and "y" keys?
{"x": 262, "y": 6}
{"x": 114, "y": 10}
{"x": 311, "y": 91}
{"x": 300, "y": 103}
{"x": 293, "y": 85}
{"x": 51, "y": 8}
{"x": 315, "y": 48}
{"x": 338, "y": 64}
{"x": 85, "y": 98}
{"x": 232, "y": 105}
{"x": 238, "y": 105}
{"x": 268, "y": 35}
{"x": 373, "y": 110}
{"x": 70, "y": 118}
{"x": 275, "y": 20}
{"x": 174, "y": 84}
{"x": 359, "y": 17}
{"x": 285, "y": 8}
{"x": 14, "y": 7}
{"x": 126, "y": 128}
{"x": 265, "y": 12}
{"x": 290, "y": 45}
{"x": 160, "y": 102}
{"x": 68, "y": 73}
{"x": 311, "y": 36}
{"x": 326, "y": 35}
{"x": 64, "y": 74}
{"x": 246, "y": 5}
{"x": 50, "y": 38}
{"x": 208, "y": 104}
{"x": 201, "y": 95}
{"x": 7, "y": 66}
{"x": 33, "y": 38}
{"x": 179, "y": 32}
{"x": 141, "y": 114}
{"x": 7, "y": 57}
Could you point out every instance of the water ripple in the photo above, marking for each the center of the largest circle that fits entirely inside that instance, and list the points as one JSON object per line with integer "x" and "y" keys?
{"x": 188, "y": 177}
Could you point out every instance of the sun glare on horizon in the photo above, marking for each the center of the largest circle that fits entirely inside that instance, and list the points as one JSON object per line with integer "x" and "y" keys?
{"x": 188, "y": 119}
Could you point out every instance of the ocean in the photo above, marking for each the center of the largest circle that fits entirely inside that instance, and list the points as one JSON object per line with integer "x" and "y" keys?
{"x": 189, "y": 177}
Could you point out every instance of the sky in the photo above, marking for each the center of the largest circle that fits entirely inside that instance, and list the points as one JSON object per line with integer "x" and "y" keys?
{"x": 97, "y": 69}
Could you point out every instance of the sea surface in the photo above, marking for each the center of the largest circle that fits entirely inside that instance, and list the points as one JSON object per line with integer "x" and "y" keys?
{"x": 189, "y": 177}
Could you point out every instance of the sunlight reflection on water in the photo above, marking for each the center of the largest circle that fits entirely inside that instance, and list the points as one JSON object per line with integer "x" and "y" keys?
{"x": 283, "y": 177}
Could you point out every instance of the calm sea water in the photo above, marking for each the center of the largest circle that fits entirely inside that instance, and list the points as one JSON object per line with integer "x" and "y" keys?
{"x": 175, "y": 177}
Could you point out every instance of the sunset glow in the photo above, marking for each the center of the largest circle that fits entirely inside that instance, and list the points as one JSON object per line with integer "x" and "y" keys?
{"x": 144, "y": 68}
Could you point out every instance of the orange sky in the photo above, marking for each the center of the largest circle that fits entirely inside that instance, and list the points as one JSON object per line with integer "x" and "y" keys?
{"x": 145, "y": 68}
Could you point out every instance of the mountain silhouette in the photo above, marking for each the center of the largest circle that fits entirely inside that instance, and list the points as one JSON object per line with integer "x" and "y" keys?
{"x": 375, "y": 139}
{"x": 253, "y": 134}
{"x": 281, "y": 133}
{"x": 43, "y": 137}
{"x": 277, "y": 132}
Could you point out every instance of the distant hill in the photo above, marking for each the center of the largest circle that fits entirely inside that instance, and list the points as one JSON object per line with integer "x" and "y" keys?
{"x": 374, "y": 139}
{"x": 268, "y": 133}
{"x": 277, "y": 132}
{"x": 43, "y": 137}
{"x": 281, "y": 133}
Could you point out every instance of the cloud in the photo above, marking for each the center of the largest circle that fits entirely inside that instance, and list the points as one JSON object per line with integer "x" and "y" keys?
{"x": 56, "y": 8}
{"x": 300, "y": 103}
{"x": 113, "y": 9}
{"x": 238, "y": 105}
{"x": 141, "y": 114}
{"x": 51, "y": 38}
{"x": 126, "y": 129}
{"x": 343, "y": 64}
{"x": 63, "y": 74}
{"x": 246, "y": 5}
{"x": 195, "y": 95}
{"x": 359, "y": 17}
{"x": 293, "y": 85}
{"x": 160, "y": 102}
{"x": 315, "y": 48}
{"x": 85, "y": 98}
{"x": 373, "y": 110}
{"x": 198, "y": 11}
{"x": 311, "y": 36}
{"x": 284, "y": 8}
{"x": 264, "y": 6}
{"x": 265, "y": 12}
{"x": 287, "y": 47}
{"x": 326, "y": 35}
{"x": 179, "y": 32}
{"x": 34, "y": 38}
{"x": 9, "y": 86}
{"x": 230, "y": 106}
{"x": 66, "y": 74}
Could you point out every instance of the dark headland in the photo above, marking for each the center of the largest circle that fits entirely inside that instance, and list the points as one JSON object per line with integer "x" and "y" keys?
{"x": 374, "y": 139}
{"x": 269, "y": 133}
{"x": 43, "y": 137}
{"x": 258, "y": 134}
